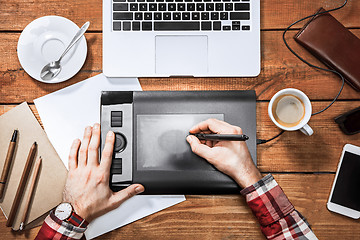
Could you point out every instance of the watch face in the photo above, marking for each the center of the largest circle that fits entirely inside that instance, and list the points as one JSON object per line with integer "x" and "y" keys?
{"x": 63, "y": 211}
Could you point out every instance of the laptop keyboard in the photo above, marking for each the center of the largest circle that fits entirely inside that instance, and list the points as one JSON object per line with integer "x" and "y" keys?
{"x": 181, "y": 15}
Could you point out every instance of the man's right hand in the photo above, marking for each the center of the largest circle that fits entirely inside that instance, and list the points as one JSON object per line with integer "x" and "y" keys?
{"x": 230, "y": 157}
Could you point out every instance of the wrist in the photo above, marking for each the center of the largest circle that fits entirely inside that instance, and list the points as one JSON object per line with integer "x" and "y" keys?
{"x": 248, "y": 178}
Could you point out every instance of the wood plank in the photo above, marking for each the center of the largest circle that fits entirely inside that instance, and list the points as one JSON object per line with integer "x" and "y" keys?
{"x": 279, "y": 70}
{"x": 228, "y": 217}
{"x": 293, "y": 151}
{"x": 275, "y": 14}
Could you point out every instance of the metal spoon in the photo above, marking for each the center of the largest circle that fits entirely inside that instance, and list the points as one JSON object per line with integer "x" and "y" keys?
{"x": 52, "y": 69}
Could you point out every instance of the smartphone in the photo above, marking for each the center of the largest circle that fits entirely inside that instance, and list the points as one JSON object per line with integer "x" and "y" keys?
{"x": 345, "y": 193}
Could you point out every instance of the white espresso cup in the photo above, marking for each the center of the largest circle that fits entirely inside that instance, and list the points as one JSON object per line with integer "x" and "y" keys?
{"x": 299, "y": 125}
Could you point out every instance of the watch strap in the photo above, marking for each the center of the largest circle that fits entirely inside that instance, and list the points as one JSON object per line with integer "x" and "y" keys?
{"x": 77, "y": 221}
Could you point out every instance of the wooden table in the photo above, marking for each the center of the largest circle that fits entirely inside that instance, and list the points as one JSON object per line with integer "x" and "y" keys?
{"x": 304, "y": 166}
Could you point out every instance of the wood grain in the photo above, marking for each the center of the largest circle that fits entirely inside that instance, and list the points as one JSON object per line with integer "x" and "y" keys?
{"x": 228, "y": 217}
{"x": 280, "y": 69}
{"x": 293, "y": 151}
{"x": 275, "y": 14}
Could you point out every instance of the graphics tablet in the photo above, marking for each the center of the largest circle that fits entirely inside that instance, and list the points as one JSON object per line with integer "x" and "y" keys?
{"x": 151, "y": 128}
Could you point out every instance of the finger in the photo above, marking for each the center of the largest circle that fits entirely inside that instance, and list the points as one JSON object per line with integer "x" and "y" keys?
{"x": 107, "y": 153}
{"x": 73, "y": 155}
{"x": 93, "y": 153}
{"x": 198, "y": 148}
{"x": 118, "y": 198}
{"x": 84, "y": 147}
{"x": 216, "y": 126}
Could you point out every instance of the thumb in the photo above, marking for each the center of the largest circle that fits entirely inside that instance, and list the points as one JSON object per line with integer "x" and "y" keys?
{"x": 119, "y": 197}
{"x": 198, "y": 148}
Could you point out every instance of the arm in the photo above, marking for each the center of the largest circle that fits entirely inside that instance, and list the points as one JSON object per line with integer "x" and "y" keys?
{"x": 87, "y": 187}
{"x": 277, "y": 216}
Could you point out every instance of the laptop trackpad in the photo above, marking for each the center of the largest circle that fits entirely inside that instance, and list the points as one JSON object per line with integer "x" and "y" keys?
{"x": 181, "y": 55}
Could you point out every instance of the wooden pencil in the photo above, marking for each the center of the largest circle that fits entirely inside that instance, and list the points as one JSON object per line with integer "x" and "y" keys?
{"x": 22, "y": 184}
{"x": 8, "y": 161}
{"x": 31, "y": 192}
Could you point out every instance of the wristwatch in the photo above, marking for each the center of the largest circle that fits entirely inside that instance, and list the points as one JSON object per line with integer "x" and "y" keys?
{"x": 65, "y": 212}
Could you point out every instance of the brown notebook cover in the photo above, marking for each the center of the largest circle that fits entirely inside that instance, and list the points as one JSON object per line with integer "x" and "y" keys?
{"x": 334, "y": 45}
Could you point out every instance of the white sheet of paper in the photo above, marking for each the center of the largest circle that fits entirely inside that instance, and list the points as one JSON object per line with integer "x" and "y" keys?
{"x": 130, "y": 211}
{"x": 66, "y": 113}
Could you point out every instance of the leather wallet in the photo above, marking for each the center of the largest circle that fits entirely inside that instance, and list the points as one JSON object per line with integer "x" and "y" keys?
{"x": 333, "y": 44}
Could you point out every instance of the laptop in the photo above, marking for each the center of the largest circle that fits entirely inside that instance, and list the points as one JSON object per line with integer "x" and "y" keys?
{"x": 169, "y": 38}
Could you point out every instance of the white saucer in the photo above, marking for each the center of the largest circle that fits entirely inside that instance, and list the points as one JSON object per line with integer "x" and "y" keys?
{"x": 44, "y": 40}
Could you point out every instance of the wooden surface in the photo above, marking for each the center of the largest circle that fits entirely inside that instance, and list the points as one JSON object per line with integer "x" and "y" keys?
{"x": 304, "y": 166}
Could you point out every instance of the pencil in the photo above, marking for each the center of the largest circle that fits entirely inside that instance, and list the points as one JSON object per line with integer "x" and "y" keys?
{"x": 222, "y": 137}
{"x": 8, "y": 161}
{"x": 22, "y": 184}
{"x": 31, "y": 192}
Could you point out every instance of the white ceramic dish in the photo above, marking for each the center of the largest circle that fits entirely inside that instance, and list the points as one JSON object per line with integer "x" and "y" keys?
{"x": 44, "y": 40}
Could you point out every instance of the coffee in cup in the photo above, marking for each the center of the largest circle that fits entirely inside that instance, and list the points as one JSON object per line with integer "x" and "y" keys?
{"x": 290, "y": 109}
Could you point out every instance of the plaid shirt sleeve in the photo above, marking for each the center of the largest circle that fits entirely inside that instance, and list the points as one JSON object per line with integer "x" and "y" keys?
{"x": 277, "y": 216}
{"x": 54, "y": 228}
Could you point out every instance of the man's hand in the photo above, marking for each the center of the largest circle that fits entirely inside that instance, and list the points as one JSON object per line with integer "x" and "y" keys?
{"x": 87, "y": 185}
{"x": 230, "y": 157}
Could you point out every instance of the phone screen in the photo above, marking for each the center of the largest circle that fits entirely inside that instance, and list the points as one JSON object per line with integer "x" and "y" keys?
{"x": 347, "y": 188}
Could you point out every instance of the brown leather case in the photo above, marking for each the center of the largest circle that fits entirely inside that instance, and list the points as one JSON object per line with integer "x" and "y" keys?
{"x": 334, "y": 45}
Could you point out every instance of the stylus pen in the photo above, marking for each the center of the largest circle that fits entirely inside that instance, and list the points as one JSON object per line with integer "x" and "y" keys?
{"x": 222, "y": 137}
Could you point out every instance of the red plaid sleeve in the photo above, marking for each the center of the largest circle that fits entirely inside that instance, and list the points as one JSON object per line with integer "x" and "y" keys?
{"x": 54, "y": 228}
{"x": 277, "y": 216}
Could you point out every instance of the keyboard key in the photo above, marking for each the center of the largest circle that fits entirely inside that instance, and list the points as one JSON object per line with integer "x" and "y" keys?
{"x": 217, "y": 25}
{"x": 120, "y": 7}
{"x": 181, "y": 7}
{"x": 214, "y": 16}
{"x": 169, "y": 0}
{"x": 152, "y": 7}
{"x": 140, "y": 0}
{"x": 199, "y": 7}
{"x": 205, "y": 26}
{"x": 236, "y": 25}
{"x": 224, "y": 16}
{"x": 176, "y": 26}
{"x": 178, "y": 0}
{"x": 195, "y": 16}
{"x": 167, "y": 16}
{"x": 188, "y": 0}
{"x": 131, "y": 0}
{"x": 157, "y": 16}
{"x": 119, "y": 0}
{"x": 204, "y": 16}
{"x": 242, "y": 6}
{"x": 210, "y": 7}
{"x": 226, "y": 28}
{"x": 143, "y": 7}
{"x": 126, "y": 26}
{"x": 185, "y": 16}
{"x": 160, "y": 0}
{"x": 172, "y": 7}
{"x": 228, "y": 6}
{"x": 190, "y": 6}
{"x": 136, "y": 26}
{"x": 149, "y": 0}
{"x": 246, "y": 28}
{"x": 146, "y": 26}
{"x": 138, "y": 16}
{"x": 123, "y": 16}
{"x": 176, "y": 16}
{"x": 162, "y": 7}
{"x": 116, "y": 26}
{"x": 239, "y": 16}
{"x": 219, "y": 7}
{"x": 133, "y": 7}
{"x": 147, "y": 16}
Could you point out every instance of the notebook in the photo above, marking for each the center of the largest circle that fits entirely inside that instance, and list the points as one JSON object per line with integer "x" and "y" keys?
{"x": 52, "y": 176}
